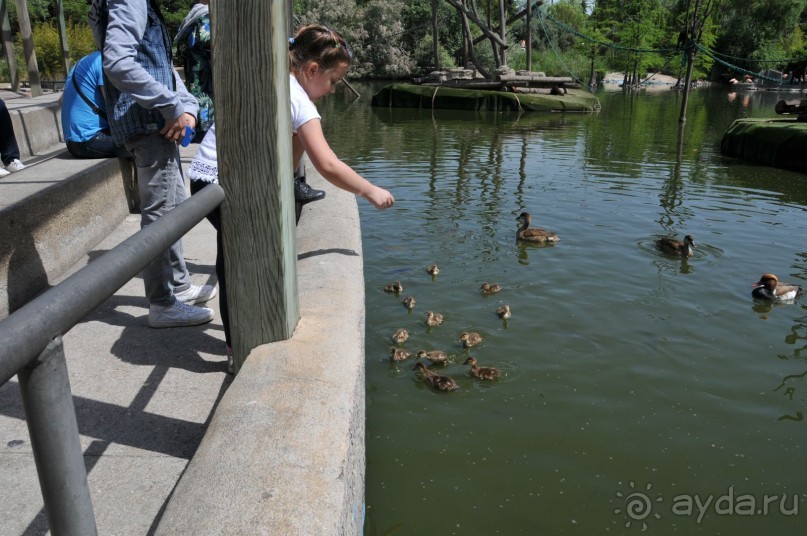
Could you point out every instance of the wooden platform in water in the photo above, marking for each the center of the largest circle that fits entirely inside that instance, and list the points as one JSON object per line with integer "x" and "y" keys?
{"x": 422, "y": 96}
{"x": 780, "y": 143}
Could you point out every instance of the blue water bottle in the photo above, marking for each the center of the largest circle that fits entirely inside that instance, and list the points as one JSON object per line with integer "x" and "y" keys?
{"x": 189, "y": 134}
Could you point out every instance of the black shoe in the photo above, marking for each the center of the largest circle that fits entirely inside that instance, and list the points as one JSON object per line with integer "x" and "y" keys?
{"x": 303, "y": 193}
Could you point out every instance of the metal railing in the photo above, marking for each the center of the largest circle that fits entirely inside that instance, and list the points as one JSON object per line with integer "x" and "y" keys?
{"x": 31, "y": 346}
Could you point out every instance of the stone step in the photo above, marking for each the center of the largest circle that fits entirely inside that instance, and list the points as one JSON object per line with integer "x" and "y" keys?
{"x": 56, "y": 209}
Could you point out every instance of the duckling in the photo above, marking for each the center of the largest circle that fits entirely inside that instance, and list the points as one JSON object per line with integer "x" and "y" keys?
{"x": 433, "y": 319}
{"x": 409, "y": 302}
{"x": 769, "y": 288}
{"x": 526, "y": 233}
{"x": 482, "y": 373}
{"x": 400, "y": 336}
{"x": 470, "y": 338}
{"x": 438, "y": 357}
{"x": 441, "y": 383}
{"x": 433, "y": 270}
{"x": 490, "y": 288}
{"x": 676, "y": 247}
{"x": 503, "y": 311}
{"x": 395, "y": 288}
{"x": 399, "y": 354}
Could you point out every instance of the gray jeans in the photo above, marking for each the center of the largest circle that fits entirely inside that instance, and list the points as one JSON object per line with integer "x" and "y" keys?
{"x": 162, "y": 187}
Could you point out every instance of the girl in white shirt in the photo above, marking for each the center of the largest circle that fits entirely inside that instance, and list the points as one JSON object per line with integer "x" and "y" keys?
{"x": 318, "y": 58}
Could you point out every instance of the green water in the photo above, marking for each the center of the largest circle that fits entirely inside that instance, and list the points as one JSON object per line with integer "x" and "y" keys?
{"x": 633, "y": 381}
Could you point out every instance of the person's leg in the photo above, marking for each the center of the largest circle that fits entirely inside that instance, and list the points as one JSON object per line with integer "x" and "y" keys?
{"x": 215, "y": 219}
{"x": 9, "y": 150}
{"x": 99, "y": 146}
{"x": 159, "y": 182}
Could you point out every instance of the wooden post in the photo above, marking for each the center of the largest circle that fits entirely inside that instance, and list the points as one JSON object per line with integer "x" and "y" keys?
{"x": 28, "y": 47}
{"x": 529, "y": 35}
{"x": 8, "y": 46}
{"x": 253, "y": 127}
{"x": 435, "y": 37}
{"x": 63, "y": 38}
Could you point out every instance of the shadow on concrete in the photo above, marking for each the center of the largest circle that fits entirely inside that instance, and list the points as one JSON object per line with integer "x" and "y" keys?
{"x": 328, "y": 251}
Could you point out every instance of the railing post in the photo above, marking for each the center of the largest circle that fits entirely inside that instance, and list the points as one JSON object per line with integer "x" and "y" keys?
{"x": 53, "y": 429}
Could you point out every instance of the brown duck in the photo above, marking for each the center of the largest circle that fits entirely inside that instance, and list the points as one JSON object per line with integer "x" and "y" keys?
{"x": 433, "y": 270}
{"x": 409, "y": 302}
{"x": 441, "y": 383}
{"x": 526, "y": 233}
{"x": 483, "y": 373}
{"x": 433, "y": 319}
{"x": 400, "y": 336}
{"x": 769, "y": 288}
{"x": 438, "y": 357}
{"x": 503, "y": 311}
{"x": 399, "y": 354}
{"x": 490, "y": 288}
{"x": 470, "y": 338}
{"x": 395, "y": 288}
{"x": 676, "y": 247}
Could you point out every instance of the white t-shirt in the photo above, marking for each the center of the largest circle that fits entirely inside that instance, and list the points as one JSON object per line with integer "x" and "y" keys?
{"x": 205, "y": 165}
{"x": 303, "y": 108}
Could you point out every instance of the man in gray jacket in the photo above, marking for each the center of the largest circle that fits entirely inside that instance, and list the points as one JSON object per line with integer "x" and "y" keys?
{"x": 149, "y": 109}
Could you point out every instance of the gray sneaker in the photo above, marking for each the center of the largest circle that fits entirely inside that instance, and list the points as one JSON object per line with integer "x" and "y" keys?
{"x": 196, "y": 294}
{"x": 178, "y": 315}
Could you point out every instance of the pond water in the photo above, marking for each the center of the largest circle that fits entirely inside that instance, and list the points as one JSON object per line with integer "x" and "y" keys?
{"x": 640, "y": 391}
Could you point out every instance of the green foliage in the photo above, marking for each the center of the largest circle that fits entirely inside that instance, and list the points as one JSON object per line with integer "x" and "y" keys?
{"x": 393, "y": 38}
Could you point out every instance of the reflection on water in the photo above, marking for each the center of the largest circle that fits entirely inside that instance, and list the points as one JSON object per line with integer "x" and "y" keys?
{"x": 621, "y": 363}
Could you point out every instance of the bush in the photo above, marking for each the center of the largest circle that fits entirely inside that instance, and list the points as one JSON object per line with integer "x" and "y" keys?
{"x": 47, "y": 45}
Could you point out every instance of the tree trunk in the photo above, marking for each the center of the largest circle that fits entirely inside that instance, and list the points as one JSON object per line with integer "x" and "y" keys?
{"x": 255, "y": 169}
{"x": 435, "y": 37}
{"x": 8, "y": 46}
{"x": 28, "y": 47}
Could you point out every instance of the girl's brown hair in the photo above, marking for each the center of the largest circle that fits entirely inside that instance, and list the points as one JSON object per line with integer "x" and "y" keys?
{"x": 319, "y": 44}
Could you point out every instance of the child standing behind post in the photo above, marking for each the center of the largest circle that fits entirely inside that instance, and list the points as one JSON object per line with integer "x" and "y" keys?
{"x": 318, "y": 59}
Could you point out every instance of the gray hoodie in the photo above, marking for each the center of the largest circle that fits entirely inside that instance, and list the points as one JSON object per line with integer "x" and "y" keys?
{"x": 125, "y": 28}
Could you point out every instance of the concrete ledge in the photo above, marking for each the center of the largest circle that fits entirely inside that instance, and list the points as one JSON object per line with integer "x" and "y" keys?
{"x": 37, "y": 123}
{"x": 284, "y": 452}
{"x": 51, "y": 214}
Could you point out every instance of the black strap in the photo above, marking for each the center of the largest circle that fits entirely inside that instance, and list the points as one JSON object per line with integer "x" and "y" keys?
{"x": 98, "y": 111}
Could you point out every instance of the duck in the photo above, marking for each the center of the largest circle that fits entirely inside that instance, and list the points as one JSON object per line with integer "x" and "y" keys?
{"x": 676, "y": 247}
{"x": 409, "y": 302}
{"x": 395, "y": 288}
{"x": 399, "y": 354}
{"x": 433, "y": 319}
{"x": 438, "y": 357}
{"x": 401, "y": 335}
{"x": 526, "y": 233}
{"x": 503, "y": 311}
{"x": 470, "y": 338}
{"x": 490, "y": 288}
{"x": 433, "y": 269}
{"x": 769, "y": 288}
{"x": 482, "y": 373}
{"x": 441, "y": 383}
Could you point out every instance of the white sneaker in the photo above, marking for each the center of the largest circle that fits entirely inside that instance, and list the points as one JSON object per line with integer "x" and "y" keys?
{"x": 178, "y": 315}
{"x": 4, "y": 172}
{"x": 196, "y": 294}
{"x": 15, "y": 166}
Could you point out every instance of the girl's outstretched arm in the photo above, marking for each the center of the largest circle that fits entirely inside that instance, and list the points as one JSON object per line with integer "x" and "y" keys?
{"x": 337, "y": 172}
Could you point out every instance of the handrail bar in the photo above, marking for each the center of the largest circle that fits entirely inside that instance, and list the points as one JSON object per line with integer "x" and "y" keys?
{"x": 27, "y": 331}
{"x": 31, "y": 347}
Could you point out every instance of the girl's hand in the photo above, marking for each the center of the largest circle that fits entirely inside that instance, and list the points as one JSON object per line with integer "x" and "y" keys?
{"x": 380, "y": 198}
